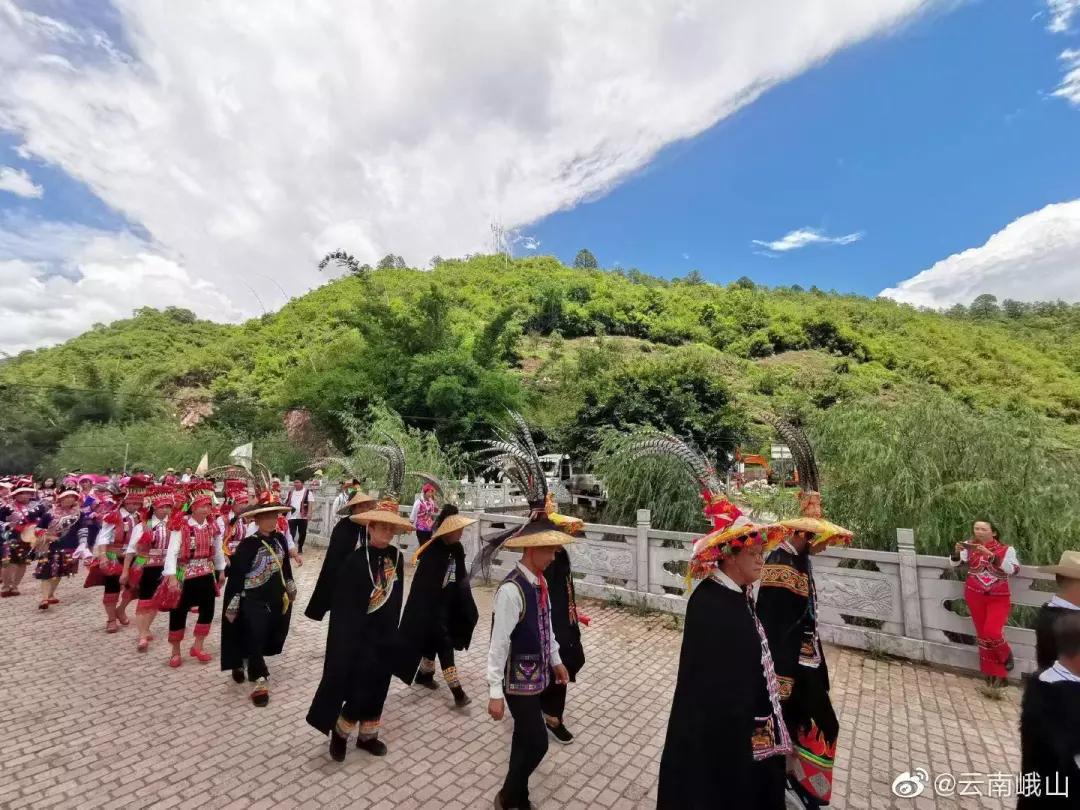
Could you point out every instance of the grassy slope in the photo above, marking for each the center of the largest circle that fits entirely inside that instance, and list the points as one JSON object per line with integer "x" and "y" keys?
{"x": 766, "y": 342}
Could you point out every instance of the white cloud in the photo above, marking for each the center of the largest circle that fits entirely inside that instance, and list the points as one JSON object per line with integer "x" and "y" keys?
{"x": 1033, "y": 258}
{"x": 248, "y": 134}
{"x": 72, "y": 277}
{"x": 1061, "y": 14}
{"x": 1069, "y": 89}
{"x": 802, "y": 237}
{"x": 18, "y": 182}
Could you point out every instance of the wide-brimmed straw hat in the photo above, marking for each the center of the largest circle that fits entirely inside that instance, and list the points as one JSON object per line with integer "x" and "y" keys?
{"x": 359, "y": 499}
{"x": 256, "y": 509}
{"x": 385, "y": 512}
{"x": 539, "y": 532}
{"x": 823, "y": 531}
{"x": 453, "y": 523}
{"x": 1068, "y": 566}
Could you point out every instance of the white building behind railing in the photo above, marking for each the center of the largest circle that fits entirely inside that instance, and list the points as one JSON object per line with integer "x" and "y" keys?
{"x": 899, "y": 596}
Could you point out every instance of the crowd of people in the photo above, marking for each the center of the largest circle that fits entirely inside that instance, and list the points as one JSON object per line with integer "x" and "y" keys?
{"x": 751, "y": 717}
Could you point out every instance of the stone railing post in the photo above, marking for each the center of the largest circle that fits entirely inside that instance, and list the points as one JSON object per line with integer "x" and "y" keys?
{"x": 644, "y": 523}
{"x": 909, "y": 584}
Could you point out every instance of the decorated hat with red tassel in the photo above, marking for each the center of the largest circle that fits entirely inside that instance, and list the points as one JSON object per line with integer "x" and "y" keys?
{"x": 22, "y": 485}
{"x": 162, "y": 496}
{"x": 199, "y": 493}
{"x": 135, "y": 486}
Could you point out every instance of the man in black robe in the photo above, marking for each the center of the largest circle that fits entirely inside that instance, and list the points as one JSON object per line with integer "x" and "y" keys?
{"x": 564, "y": 623}
{"x": 346, "y": 536}
{"x": 440, "y": 614}
{"x": 259, "y": 593}
{"x": 1064, "y": 602}
{"x": 787, "y": 606}
{"x": 363, "y": 645}
{"x": 1050, "y": 726}
{"x": 726, "y": 738}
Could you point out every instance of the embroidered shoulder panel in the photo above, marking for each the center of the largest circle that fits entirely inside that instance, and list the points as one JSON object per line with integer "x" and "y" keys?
{"x": 784, "y": 576}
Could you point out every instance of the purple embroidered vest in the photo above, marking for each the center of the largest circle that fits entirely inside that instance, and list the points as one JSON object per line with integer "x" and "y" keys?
{"x": 528, "y": 667}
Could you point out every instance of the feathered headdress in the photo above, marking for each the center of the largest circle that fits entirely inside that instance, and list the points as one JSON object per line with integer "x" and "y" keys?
{"x": 812, "y": 520}
{"x": 513, "y": 453}
{"x": 720, "y": 512}
{"x": 386, "y": 510}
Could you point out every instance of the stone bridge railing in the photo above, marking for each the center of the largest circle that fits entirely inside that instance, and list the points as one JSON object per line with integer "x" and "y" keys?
{"x": 896, "y": 602}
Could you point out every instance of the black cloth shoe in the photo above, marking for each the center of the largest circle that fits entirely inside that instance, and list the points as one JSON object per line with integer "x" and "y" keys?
{"x": 375, "y": 747}
{"x": 561, "y": 734}
{"x": 1009, "y": 663}
{"x": 427, "y": 681}
{"x": 260, "y": 696}
{"x": 238, "y": 675}
{"x": 461, "y": 700}
{"x": 338, "y": 746}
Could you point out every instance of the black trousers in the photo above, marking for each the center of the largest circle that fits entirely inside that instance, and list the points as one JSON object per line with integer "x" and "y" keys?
{"x": 256, "y": 623}
{"x": 298, "y": 529}
{"x": 553, "y": 699}
{"x": 528, "y": 747}
{"x": 149, "y": 581}
{"x": 112, "y": 584}
{"x": 439, "y": 646}
{"x": 367, "y": 695}
{"x": 196, "y": 592}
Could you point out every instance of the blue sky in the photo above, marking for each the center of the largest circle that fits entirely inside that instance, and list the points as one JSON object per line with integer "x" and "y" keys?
{"x": 208, "y": 156}
{"x": 927, "y": 141}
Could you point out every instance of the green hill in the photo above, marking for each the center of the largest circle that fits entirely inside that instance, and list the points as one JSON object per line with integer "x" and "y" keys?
{"x": 577, "y": 350}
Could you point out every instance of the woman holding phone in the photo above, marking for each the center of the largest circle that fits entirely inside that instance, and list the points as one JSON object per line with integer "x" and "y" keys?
{"x": 986, "y": 591}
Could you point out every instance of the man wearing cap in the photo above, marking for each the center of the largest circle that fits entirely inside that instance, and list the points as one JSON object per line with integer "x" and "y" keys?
{"x": 524, "y": 656}
{"x": 15, "y": 551}
{"x": 1065, "y": 602}
{"x": 346, "y": 536}
{"x": 363, "y": 645}
{"x": 144, "y": 559}
{"x": 258, "y": 601}
{"x": 440, "y": 614}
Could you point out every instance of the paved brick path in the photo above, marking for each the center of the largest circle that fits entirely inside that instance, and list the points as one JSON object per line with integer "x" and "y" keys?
{"x": 90, "y": 723}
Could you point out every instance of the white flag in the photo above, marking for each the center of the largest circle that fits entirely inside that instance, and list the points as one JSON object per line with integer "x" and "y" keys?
{"x": 242, "y": 455}
{"x": 204, "y": 465}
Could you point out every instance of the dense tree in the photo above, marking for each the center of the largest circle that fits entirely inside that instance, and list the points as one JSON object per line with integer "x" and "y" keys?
{"x": 391, "y": 262}
{"x": 584, "y": 260}
{"x": 984, "y": 306}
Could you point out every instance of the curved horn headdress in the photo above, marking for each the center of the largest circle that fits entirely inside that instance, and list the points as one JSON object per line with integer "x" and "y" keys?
{"x": 395, "y": 458}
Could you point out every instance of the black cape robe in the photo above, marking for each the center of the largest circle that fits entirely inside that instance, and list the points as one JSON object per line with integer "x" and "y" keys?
{"x": 432, "y": 610}
{"x": 234, "y": 647}
{"x": 708, "y": 761}
{"x": 1049, "y": 740}
{"x": 358, "y": 641}
{"x": 344, "y": 539}
{"x": 787, "y": 608}
{"x": 564, "y": 622}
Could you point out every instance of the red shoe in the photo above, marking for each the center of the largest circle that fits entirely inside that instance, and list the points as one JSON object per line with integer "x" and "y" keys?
{"x": 14, "y": 592}
{"x": 53, "y": 600}
{"x": 110, "y": 626}
{"x": 175, "y": 661}
{"x": 143, "y": 645}
{"x": 43, "y": 605}
{"x": 6, "y": 594}
{"x": 203, "y": 656}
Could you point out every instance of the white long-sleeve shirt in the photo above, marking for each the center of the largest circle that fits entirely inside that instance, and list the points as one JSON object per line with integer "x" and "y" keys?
{"x": 173, "y": 551}
{"x": 508, "y": 610}
{"x": 1010, "y": 563}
